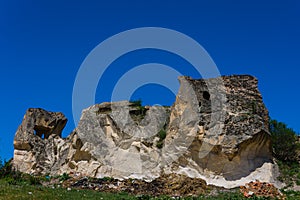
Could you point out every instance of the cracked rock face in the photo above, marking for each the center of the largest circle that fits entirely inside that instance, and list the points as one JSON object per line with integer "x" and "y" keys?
{"x": 37, "y": 140}
{"x": 231, "y": 142}
{"x": 216, "y": 130}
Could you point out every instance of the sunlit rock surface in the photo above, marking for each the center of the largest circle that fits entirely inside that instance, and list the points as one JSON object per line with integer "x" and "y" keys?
{"x": 216, "y": 130}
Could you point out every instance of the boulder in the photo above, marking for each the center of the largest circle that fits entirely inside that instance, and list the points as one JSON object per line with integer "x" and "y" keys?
{"x": 216, "y": 130}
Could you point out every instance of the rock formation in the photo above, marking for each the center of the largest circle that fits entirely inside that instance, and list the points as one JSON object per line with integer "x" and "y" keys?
{"x": 37, "y": 139}
{"x": 217, "y": 130}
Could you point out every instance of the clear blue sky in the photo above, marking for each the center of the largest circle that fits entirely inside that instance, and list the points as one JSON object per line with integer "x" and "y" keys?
{"x": 43, "y": 43}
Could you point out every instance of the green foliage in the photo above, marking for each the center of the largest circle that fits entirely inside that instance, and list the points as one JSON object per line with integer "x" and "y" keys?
{"x": 291, "y": 195}
{"x": 14, "y": 177}
{"x": 284, "y": 142}
{"x": 160, "y": 144}
{"x": 34, "y": 180}
{"x": 9, "y": 174}
{"x": 64, "y": 177}
{"x": 289, "y": 173}
{"x": 136, "y": 102}
{"x": 285, "y": 149}
{"x": 107, "y": 179}
{"x": 27, "y": 191}
{"x": 140, "y": 112}
{"x": 162, "y": 134}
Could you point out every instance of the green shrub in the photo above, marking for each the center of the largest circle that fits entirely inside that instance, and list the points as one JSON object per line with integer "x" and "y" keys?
{"x": 284, "y": 142}
{"x": 34, "y": 180}
{"x": 139, "y": 112}
{"x": 162, "y": 134}
{"x": 136, "y": 103}
{"x": 160, "y": 144}
{"x": 285, "y": 150}
{"x": 64, "y": 177}
{"x": 108, "y": 179}
{"x": 6, "y": 170}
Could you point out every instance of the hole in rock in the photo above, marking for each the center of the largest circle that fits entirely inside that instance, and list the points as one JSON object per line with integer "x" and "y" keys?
{"x": 42, "y": 132}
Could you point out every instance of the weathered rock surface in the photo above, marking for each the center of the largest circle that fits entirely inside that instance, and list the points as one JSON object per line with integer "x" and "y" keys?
{"x": 37, "y": 139}
{"x": 230, "y": 142}
{"x": 216, "y": 130}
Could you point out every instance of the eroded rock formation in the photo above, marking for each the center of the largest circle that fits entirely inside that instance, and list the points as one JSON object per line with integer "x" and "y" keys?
{"x": 216, "y": 130}
{"x": 37, "y": 139}
{"x": 230, "y": 142}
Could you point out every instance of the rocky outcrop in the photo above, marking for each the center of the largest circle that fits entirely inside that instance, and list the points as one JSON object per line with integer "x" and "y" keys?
{"x": 230, "y": 142}
{"x": 216, "y": 130}
{"x": 37, "y": 139}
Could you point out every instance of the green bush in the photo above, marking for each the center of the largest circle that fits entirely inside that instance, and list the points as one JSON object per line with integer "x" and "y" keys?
{"x": 162, "y": 134}
{"x": 34, "y": 180}
{"x": 8, "y": 173}
{"x": 106, "y": 178}
{"x": 6, "y": 169}
{"x": 284, "y": 141}
{"x": 64, "y": 177}
{"x": 285, "y": 150}
{"x": 136, "y": 102}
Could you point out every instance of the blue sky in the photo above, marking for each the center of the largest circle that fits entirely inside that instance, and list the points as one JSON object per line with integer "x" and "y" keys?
{"x": 43, "y": 43}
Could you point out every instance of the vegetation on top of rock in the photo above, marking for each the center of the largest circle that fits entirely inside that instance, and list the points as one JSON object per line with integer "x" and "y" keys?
{"x": 103, "y": 110}
{"x": 136, "y": 102}
{"x": 139, "y": 112}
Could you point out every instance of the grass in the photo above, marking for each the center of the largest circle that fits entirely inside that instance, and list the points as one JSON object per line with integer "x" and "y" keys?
{"x": 23, "y": 190}
{"x": 289, "y": 173}
{"x": 27, "y": 191}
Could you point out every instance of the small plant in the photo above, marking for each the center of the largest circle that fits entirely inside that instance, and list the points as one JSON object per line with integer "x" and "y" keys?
{"x": 136, "y": 102}
{"x": 7, "y": 170}
{"x": 160, "y": 144}
{"x": 107, "y": 179}
{"x": 139, "y": 112}
{"x": 162, "y": 134}
{"x": 34, "y": 180}
{"x": 64, "y": 177}
{"x": 143, "y": 197}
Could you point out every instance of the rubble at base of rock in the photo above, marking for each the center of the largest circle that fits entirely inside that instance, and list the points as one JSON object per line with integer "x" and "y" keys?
{"x": 172, "y": 185}
{"x": 261, "y": 189}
